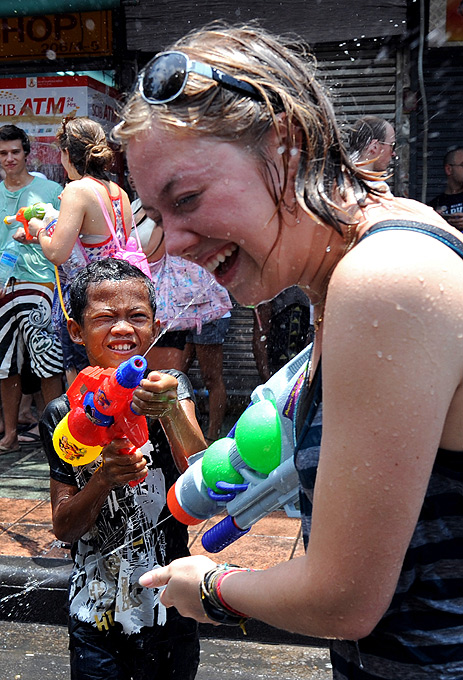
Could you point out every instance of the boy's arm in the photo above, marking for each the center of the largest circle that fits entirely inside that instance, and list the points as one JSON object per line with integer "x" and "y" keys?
{"x": 75, "y": 511}
{"x": 183, "y": 432}
{"x": 157, "y": 397}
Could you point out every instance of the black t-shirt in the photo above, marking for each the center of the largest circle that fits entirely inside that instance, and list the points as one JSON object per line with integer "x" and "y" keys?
{"x": 134, "y": 530}
{"x": 449, "y": 203}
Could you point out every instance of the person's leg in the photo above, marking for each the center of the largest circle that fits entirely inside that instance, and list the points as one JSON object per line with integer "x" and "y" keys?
{"x": 164, "y": 357}
{"x": 168, "y": 351}
{"x": 11, "y": 358}
{"x": 43, "y": 344}
{"x": 208, "y": 347}
{"x": 26, "y": 417}
{"x": 74, "y": 356}
{"x": 11, "y": 396}
{"x": 94, "y": 654}
{"x": 52, "y": 387}
{"x": 168, "y": 652}
{"x": 189, "y": 355}
{"x": 210, "y": 358}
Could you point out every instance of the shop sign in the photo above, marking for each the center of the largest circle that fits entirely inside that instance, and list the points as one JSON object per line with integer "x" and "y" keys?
{"x": 56, "y": 36}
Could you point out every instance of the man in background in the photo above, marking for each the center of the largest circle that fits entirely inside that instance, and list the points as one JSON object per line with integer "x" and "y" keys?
{"x": 372, "y": 143}
{"x": 449, "y": 203}
{"x": 25, "y": 302}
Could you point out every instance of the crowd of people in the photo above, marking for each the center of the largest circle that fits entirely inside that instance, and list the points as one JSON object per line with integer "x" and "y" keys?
{"x": 254, "y": 183}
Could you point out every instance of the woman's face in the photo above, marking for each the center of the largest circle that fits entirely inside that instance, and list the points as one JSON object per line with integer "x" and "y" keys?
{"x": 215, "y": 207}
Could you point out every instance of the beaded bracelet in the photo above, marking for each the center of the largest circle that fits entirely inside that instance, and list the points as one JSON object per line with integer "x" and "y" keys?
{"x": 212, "y": 600}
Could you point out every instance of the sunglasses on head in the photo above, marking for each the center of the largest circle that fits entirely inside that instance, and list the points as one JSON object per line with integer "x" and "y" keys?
{"x": 164, "y": 78}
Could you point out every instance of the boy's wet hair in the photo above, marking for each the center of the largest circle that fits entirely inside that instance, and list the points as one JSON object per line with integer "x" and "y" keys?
{"x": 108, "y": 269}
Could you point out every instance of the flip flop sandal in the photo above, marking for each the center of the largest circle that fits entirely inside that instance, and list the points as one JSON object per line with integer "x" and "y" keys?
{"x": 29, "y": 439}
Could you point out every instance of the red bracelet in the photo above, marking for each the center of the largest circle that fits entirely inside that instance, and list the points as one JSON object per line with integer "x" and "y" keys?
{"x": 219, "y": 592}
{"x": 39, "y": 232}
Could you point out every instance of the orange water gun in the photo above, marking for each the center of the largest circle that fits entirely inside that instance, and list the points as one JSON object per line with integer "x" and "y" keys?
{"x": 27, "y": 213}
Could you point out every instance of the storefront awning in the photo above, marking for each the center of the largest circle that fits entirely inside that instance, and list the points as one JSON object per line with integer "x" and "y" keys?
{"x": 12, "y": 8}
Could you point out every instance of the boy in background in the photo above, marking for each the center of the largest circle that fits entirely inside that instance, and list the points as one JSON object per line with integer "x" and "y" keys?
{"x": 117, "y": 628}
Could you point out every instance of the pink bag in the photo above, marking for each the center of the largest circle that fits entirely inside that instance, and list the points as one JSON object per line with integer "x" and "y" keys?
{"x": 132, "y": 253}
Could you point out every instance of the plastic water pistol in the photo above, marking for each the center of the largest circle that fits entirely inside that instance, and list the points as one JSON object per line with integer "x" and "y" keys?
{"x": 250, "y": 472}
{"x": 100, "y": 401}
{"x": 23, "y": 215}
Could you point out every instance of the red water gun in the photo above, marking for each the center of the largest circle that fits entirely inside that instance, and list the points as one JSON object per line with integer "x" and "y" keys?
{"x": 100, "y": 400}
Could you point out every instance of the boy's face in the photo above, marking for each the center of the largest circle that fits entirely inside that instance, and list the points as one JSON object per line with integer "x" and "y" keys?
{"x": 12, "y": 157}
{"x": 118, "y": 322}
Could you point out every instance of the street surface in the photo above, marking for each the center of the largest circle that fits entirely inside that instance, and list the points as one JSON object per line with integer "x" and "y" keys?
{"x": 29, "y": 651}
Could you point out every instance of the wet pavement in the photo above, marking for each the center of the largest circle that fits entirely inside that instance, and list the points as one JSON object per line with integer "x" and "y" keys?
{"x": 31, "y": 651}
{"x": 34, "y": 569}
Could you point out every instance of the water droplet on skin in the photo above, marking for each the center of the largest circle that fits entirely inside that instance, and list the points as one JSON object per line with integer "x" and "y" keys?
{"x": 379, "y": 354}
{"x": 328, "y": 249}
{"x": 242, "y": 241}
{"x": 263, "y": 338}
{"x": 375, "y": 323}
{"x": 281, "y": 150}
{"x": 389, "y": 357}
{"x": 293, "y": 152}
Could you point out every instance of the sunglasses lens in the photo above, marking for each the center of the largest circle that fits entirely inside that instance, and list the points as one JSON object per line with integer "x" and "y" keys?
{"x": 164, "y": 77}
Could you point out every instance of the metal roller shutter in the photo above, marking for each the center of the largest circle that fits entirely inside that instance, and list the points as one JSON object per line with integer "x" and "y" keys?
{"x": 443, "y": 78}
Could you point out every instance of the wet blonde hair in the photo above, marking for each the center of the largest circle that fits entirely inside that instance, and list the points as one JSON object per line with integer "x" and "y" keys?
{"x": 88, "y": 148}
{"x": 283, "y": 72}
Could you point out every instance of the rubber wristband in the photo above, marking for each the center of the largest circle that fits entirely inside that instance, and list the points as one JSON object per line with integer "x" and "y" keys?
{"x": 39, "y": 232}
{"x": 218, "y": 591}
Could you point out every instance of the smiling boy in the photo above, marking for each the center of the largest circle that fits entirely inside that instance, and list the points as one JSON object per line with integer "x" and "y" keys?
{"x": 118, "y": 629}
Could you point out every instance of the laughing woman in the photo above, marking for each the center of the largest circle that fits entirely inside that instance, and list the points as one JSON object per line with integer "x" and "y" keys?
{"x": 251, "y": 180}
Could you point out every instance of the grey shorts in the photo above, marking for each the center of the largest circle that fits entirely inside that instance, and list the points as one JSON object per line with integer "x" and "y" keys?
{"x": 25, "y": 321}
{"x": 212, "y": 333}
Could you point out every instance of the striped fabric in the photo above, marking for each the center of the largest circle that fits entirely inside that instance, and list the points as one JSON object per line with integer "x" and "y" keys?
{"x": 421, "y": 635}
{"x": 25, "y": 316}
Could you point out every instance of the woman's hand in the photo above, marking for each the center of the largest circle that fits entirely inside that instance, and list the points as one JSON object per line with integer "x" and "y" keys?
{"x": 181, "y": 578}
{"x": 34, "y": 226}
{"x": 156, "y": 396}
{"x": 119, "y": 468}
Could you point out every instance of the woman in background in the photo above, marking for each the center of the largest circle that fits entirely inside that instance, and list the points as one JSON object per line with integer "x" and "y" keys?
{"x": 81, "y": 233}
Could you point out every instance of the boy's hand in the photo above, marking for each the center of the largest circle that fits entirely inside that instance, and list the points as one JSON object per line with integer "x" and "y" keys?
{"x": 20, "y": 235}
{"x": 156, "y": 396}
{"x": 120, "y": 468}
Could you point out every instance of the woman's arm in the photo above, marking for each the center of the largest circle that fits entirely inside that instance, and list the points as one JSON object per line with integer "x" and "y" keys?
{"x": 387, "y": 390}
{"x": 57, "y": 248}
{"x": 75, "y": 512}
